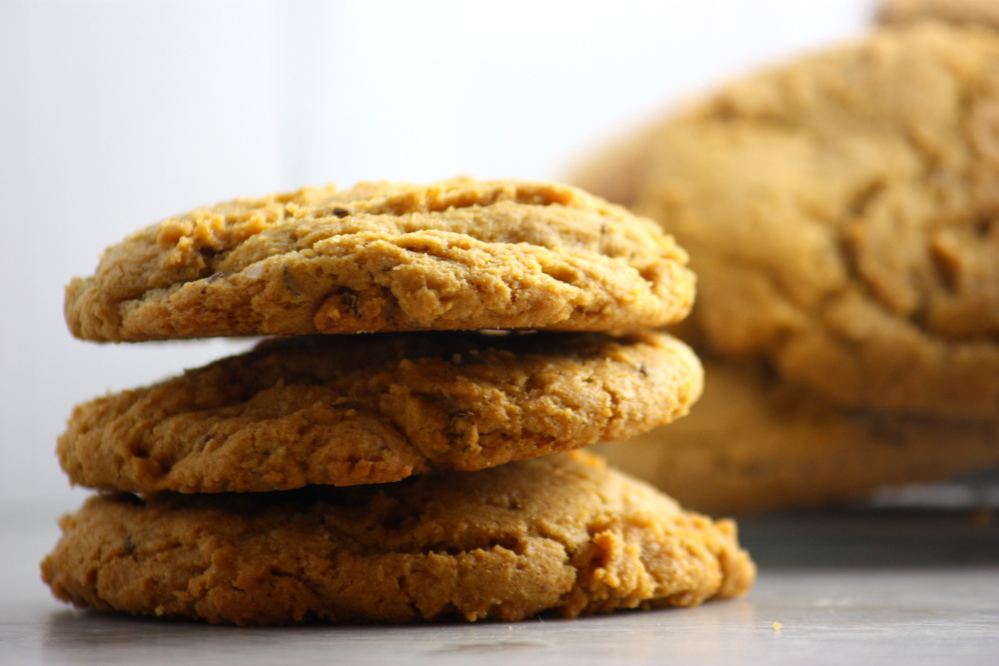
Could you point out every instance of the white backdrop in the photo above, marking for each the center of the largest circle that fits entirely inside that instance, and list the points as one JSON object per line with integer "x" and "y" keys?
{"x": 116, "y": 114}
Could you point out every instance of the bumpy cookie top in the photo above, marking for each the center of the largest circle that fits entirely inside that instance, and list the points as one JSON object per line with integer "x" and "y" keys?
{"x": 985, "y": 12}
{"x": 348, "y": 410}
{"x": 558, "y": 533}
{"x": 843, "y": 217}
{"x": 459, "y": 254}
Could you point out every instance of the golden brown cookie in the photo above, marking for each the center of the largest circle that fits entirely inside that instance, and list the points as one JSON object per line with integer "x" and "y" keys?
{"x": 348, "y": 410}
{"x": 561, "y": 533}
{"x": 755, "y": 444}
{"x": 459, "y": 254}
{"x": 985, "y": 12}
{"x": 842, "y": 213}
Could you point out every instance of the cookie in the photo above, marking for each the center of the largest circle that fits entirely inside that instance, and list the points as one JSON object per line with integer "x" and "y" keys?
{"x": 755, "y": 444}
{"x": 842, "y": 213}
{"x": 985, "y": 12}
{"x": 455, "y": 255}
{"x": 348, "y": 410}
{"x": 561, "y": 533}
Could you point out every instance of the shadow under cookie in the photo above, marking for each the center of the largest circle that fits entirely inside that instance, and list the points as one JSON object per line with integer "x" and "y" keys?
{"x": 560, "y": 533}
{"x": 347, "y": 410}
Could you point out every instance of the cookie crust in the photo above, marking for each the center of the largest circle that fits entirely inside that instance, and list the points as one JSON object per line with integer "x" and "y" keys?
{"x": 843, "y": 218}
{"x": 348, "y": 410}
{"x": 560, "y": 533}
{"x": 459, "y": 254}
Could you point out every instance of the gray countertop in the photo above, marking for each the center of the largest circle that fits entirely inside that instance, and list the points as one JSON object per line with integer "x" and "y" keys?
{"x": 881, "y": 586}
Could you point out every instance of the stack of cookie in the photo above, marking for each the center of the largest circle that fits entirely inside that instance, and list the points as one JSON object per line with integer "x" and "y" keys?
{"x": 841, "y": 211}
{"x": 403, "y": 472}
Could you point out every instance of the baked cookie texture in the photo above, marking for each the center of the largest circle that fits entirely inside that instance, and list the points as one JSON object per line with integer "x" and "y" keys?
{"x": 985, "y": 12}
{"x": 561, "y": 533}
{"x": 459, "y": 254}
{"x": 842, "y": 213}
{"x": 755, "y": 444}
{"x": 347, "y": 410}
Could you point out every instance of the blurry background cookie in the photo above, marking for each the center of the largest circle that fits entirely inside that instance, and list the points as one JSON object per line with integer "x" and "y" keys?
{"x": 754, "y": 443}
{"x": 985, "y": 12}
{"x": 842, "y": 220}
{"x": 842, "y": 215}
{"x": 459, "y": 254}
{"x": 561, "y": 533}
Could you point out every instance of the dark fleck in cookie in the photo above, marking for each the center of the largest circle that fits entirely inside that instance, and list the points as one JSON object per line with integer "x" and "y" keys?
{"x": 456, "y": 255}
{"x": 348, "y": 410}
{"x": 985, "y": 12}
{"x": 755, "y": 444}
{"x": 560, "y": 533}
{"x": 842, "y": 213}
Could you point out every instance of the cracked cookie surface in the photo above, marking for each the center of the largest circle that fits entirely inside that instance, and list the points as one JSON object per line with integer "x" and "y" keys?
{"x": 754, "y": 444}
{"x": 561, "y": 533}
{"x": 459, "y": 254}
{"x": 348, "y": 410}
{"x": 842, "y": 213}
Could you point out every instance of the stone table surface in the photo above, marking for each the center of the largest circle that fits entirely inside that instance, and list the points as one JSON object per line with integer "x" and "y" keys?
{"x": 864, "y": 585}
